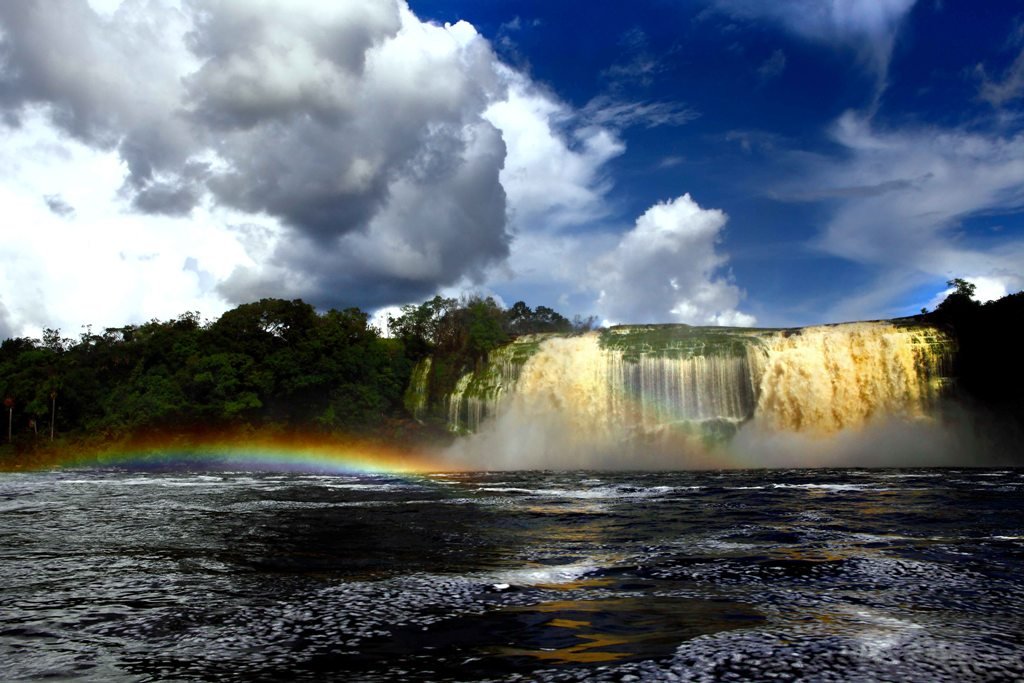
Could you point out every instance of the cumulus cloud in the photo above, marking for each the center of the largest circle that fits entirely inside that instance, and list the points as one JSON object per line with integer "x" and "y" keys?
{"x": 554, "y": 172}
{"x": 397, "y": 196}
{"x": 109, "y": 83}
{"x": 428, "y": 234}
{"x": 355, "y": 126}
{"x": 668, "y": 267}
{"x": 355, "y": 154}
{"x": 901, "y": 201}
{"x": 106, "y": 266}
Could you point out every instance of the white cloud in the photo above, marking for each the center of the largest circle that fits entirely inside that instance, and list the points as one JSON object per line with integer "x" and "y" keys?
{"x": 609, "y": 112}
{"x": 346, "y": 153}
{"x": 668, "y": 268}
{"x": 99, "y": 265}
{"x": 105, "y": 7}
{"x": 901, "y": 202}
{"x": 869, "y": 26}
{"x": 553, "y": 173}
{"x": 354, "y": 128}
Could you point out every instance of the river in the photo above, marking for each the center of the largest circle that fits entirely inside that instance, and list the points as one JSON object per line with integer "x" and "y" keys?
{"x": 217, "y": 575}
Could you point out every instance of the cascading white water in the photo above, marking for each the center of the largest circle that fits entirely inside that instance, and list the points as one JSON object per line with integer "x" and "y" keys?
{"x": 478, "y": 394}
{"x": 642, "y": 380}
{"x": 656, "y": 391}
{"x": 826, "y": 379}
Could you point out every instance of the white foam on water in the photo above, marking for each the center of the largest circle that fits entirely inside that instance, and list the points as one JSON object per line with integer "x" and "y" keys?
{"x": 910, "y": 476}
{"x": 596, "y": 493}
{"x": 883, "y": 632}
{"x": 365, "y": 487}
{"x": 23, "y": 506}
{"x": 716, "y": 544}
{"x": 536, "y": 576}
{"x": 149, "y": 481}
{"x": 876, "y": 538}
{"x": 830, "y": 487}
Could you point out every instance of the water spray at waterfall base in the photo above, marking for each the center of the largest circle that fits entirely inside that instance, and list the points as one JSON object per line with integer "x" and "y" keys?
{"x": 674, "y": 397}
{"x": 512, "y": 442}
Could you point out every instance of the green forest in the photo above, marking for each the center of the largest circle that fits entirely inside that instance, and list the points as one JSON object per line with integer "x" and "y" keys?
{"x": 273, "y": 365}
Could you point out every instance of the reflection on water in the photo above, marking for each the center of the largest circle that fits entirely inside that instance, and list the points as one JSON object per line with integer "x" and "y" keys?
{"x": 236, "y": 576}
{"x": 622, "y": 629}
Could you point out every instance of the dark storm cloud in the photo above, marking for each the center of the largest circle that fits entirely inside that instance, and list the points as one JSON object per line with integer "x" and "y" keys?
{"x": 267, "y": 62}
{"x": 174, "y": 194}
{"x": 358, "y": 127}
{"x": 320, "y": 138}
{"x": 105, "y": 83}
{"x": 58, "y": 206}
{"x": 169, "y": 199}
{"x": 428, "y": 235}
{"x": 41, "y": 43}
{"x": 292, "y": 171}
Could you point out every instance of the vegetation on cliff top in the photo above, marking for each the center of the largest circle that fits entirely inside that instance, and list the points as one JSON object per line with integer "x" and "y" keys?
{"x": 680, "y": 341}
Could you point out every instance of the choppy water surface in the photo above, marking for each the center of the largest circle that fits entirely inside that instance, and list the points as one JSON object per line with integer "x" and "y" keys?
{"x": 810, "y": 574}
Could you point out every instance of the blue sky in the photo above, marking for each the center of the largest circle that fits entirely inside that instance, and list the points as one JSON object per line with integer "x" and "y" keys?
{"x": 703, "y": 161}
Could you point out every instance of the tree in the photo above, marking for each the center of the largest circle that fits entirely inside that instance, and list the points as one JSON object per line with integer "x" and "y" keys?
{"x": 959, "y": 308}
{"x": 485, "y": 331}
{"x": 581, "y": 324}
{"x": 521, "y": 319}
{"x": 422, "y": 328}
{"x": 962, "y": 287}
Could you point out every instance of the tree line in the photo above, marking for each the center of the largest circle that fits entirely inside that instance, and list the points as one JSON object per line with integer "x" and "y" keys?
{"x": 988, "y": 364}
{"x": 269, "y": 364}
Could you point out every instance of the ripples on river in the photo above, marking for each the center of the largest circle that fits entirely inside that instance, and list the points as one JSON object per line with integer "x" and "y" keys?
{"x": 236, "y": 576}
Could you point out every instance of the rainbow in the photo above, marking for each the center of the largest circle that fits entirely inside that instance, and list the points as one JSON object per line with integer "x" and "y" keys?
{"x": 259, "y": 454}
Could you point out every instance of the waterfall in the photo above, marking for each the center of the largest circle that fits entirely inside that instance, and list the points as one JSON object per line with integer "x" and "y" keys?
{"x": 478, "y": 394}
{"x": 601, "y": 390}
{"x": 825, "y": 379}
{"x": 418, "y": 394}
{"x": 643, "y": 379}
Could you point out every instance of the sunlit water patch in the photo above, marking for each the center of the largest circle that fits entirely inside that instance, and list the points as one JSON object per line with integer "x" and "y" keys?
{"x": 120, "y": 575}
